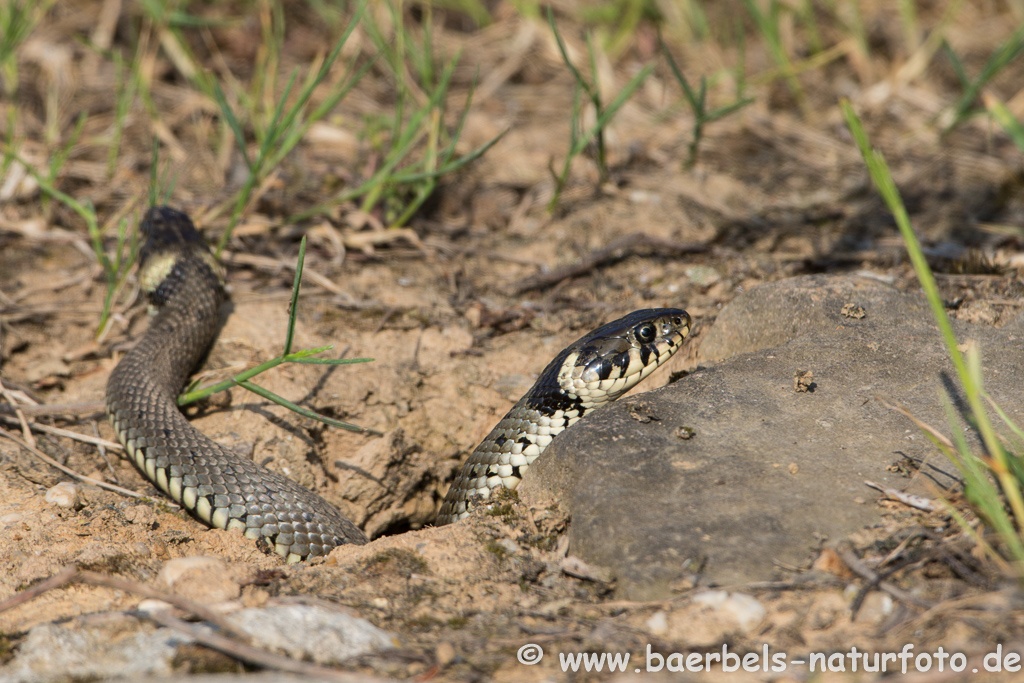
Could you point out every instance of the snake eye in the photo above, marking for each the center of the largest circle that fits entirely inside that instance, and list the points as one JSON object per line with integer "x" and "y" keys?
{"x": 645, "y": 333}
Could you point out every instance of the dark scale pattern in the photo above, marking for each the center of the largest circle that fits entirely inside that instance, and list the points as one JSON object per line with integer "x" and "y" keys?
{"x": 610, "y": 352}
{"x": 217, "y": 486}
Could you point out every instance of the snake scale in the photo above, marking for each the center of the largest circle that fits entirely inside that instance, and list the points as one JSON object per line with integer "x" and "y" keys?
{"x": 224, "y": 489}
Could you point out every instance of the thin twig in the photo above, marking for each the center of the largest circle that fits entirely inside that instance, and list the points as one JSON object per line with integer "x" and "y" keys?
{"x": 56, "y": 581}
{"x": 616, "y": 251}
{"x": 919, "y": 502}
{"x": 874, "y": 580}
{"x": 57, "y": 409}
{"x": 29, "y": 439}
{"x": 57, "y": 431}
{"x": 923, "y": 426}
{"x": 74, "y": 575}
{"x": 103, "y": 454}
{"x": 266, "y": 263}
{"x": 81, "y": 477}
{"x": 254, "y": 655}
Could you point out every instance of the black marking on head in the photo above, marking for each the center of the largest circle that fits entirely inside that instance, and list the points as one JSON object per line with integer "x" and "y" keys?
{"x": 587, "y": 347}
{"x": 164, "y": 227}
{"x": 587, "y": 355}
{"x": 602, "y": 367}
{"x": 645, "y": 354}
{"x": 524, "y": 440}
{"x": 622, "y": 361}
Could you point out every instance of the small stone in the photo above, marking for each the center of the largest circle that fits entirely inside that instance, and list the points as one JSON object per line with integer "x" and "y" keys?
{"x": 686, "y": 433}
{"x": 852, "y": 310}
{"x": 745, "y": 610}
{"x": 444, "y": 653}
{"x": 64, "y": 495}
{"x": 658, "y": 623}
{"x": 803, "y": 381}
{"x": 830, "y": 562}
{"x": 508, "y": 545}
{"x": 312, "y": 632}
{"x": 574, "y": 566}
{"x": 875, "y": 608}
{"x": 82, "y": 651}
{"x": 11, "y": 518}
{"x": 152, "y": 605}
{"x": 204, "y": 579}
{"x": 140, "y": 514}
{"x": 380, "y": 603}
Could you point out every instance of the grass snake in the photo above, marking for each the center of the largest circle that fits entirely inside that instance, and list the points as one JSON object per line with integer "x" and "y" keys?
{"x": 224, "y": 489}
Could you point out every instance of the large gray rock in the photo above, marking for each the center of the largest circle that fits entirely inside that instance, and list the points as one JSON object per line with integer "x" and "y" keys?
{"x": 769, "y": 472}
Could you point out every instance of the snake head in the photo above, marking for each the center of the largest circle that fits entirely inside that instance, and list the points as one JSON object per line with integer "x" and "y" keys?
{"x": 611, "y": 360}
{"x": 170, "y": 237}
{"x": 165, "y": 228}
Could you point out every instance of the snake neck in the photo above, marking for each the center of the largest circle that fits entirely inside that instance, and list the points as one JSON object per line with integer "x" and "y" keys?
{"x": 186, "y": 320}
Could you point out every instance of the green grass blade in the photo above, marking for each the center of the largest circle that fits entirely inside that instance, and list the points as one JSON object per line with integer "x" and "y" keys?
{"x": 613, "y": 108}
{"x": 1007, "y": 120}
{"x": 236, "y": 128}
{"x": 305, "y": 412}
{"x": 968, "y": 371}
{"x": 565, "y": 56}
{"x": 293, "y": 306}
{"x": 1007, "y": 51}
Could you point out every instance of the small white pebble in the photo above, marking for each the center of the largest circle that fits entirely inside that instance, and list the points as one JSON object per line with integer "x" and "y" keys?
{"x": 152, "y": 605}
{"x": 380, "y": 603}
{"x": 744, "y": 609}
{"x": 444, "y": 653}
{"x": 11, "y": 518}
{"x": 509, "y": 546}
{"x": 658, "y": 623}
{"x": 174, "y": 570}
{"x": 64, "y": 494}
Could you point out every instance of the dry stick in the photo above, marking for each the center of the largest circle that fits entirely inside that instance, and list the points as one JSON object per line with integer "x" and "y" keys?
{"x": 266, "y": 263}
{"x": 254, "y": 655}
{"x": 20, "y": 415}
{"x": 862, "y": 570}
{"x": 81, "y": 477}
{"x": 74, "y": 575}
{"x": 615, "y": 251}
{"x": 919, "y": 502}
{"x": 57, "y": 431}
{"x": 923, "y": 426}
{"x": 103, "y": 454}
{"x": 57, "y": 409}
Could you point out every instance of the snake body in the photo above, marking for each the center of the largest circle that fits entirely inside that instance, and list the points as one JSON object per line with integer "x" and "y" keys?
{"x": 596, "y": 369}
{"x": 226, "y": 490}
{"x": 218, "y": 486}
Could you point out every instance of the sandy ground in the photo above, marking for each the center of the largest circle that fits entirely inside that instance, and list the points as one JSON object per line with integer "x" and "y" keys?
{"x": 457, "y": 338}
